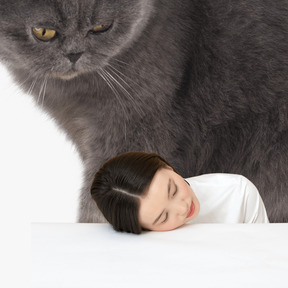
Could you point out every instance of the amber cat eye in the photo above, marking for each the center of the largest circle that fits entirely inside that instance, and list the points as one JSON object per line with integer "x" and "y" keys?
{"x": 44, "y": 34}
{"x": 101, "y": 28}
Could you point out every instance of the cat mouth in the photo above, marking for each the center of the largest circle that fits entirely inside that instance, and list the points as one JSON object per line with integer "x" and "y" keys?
{"x": 70, "y": 75}
{"x": 66, "y": 76}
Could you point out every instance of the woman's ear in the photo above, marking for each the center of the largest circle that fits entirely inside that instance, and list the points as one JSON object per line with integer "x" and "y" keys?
{"x": 169, "y": 167}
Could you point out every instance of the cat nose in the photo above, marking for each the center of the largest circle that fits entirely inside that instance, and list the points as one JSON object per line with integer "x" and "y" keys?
{"x": 74, "y": 57}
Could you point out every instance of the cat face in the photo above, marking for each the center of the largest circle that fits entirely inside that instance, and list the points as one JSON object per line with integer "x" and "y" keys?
{"x": 65, "y": 38}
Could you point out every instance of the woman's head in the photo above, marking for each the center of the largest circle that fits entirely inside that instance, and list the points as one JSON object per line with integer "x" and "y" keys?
{"x": 120, "y": 183}
{"x": 138, "y": 190}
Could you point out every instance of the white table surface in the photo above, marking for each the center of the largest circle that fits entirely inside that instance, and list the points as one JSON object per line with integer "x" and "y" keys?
{"x": 203, "y": 255}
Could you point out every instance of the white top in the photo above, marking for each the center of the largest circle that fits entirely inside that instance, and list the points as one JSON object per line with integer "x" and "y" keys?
{"x": 227, "y": 198}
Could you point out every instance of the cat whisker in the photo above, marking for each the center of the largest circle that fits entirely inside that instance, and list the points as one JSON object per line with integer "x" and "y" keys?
{"x": 22, "y": 83}
{"x": 118, "y": 63}
{"x": 117, "y": 72}
{"x": 121, "y": 62}
{"x": 42, "y": 91}
{"x": 109, "y": 83}
{"x": 125, "y": 93}
{"x": 112, "y": 81}
{"x": 123, "y": 65}
{"x": 119, "y": 84}
{"x": 116, "y": 93}
{"x": 30, "y": 90}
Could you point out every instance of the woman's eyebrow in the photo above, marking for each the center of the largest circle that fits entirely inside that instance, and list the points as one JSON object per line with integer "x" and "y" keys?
{"x": 169, "y": 188}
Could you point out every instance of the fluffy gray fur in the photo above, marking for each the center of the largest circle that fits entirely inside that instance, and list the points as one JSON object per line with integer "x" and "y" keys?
{"x": 201, "y": 82}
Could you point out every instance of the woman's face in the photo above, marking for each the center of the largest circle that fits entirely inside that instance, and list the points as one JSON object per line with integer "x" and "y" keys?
{"x": 169, "y": 203}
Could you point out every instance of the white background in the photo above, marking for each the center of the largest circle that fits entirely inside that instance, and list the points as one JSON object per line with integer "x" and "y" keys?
{"x": 40, "y": 175}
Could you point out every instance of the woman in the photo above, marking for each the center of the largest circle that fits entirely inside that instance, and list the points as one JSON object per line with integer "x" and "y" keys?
{"x": 138, "y": 191}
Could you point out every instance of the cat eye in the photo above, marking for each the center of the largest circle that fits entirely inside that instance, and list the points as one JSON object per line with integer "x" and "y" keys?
{"x": 44, "y": 34}
{"x": 100, "y": 28}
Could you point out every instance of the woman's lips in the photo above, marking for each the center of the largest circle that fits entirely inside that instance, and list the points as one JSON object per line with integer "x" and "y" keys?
{"x": 191, "y": 211}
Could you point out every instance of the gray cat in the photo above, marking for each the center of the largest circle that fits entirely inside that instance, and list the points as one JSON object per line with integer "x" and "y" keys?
{"x": 203, "y": 83}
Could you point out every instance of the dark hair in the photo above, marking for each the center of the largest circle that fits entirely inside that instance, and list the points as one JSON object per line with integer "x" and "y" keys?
{"x": 118, "y": 185}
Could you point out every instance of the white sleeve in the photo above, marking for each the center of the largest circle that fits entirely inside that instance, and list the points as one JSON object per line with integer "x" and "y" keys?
{"x": 254, "y": 208}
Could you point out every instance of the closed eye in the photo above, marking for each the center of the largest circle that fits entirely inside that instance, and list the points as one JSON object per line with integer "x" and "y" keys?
{"x": 165, "y": 219}
{"x": 176, "y": 191}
